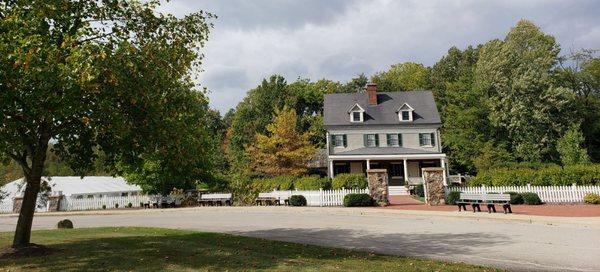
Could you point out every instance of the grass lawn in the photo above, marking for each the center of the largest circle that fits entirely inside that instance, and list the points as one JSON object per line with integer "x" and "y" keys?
{"x": 152, "y": 249}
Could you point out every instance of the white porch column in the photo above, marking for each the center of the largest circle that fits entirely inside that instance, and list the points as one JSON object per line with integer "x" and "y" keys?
{"x": 443, "y": 164}
{"x": 405, "y": 172}
{"x": 330, "y": 169}
{"x": 368, "y": 164}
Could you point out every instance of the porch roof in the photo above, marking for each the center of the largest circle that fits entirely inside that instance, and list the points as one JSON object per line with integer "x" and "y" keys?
{"x": 386, "y": 151}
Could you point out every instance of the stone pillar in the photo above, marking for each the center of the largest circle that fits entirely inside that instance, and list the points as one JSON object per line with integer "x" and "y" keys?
{"x": 433, "y": 183}
{"x": 378, "y": 186}
{"x": 17, "y": 202}
{"x": 54, "y": 203}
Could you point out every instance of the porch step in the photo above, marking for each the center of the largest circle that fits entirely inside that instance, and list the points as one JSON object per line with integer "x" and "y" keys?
{"x": 397, "y": 190}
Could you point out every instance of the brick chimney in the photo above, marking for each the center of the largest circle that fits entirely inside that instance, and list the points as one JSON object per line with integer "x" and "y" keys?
{"x": 372, "y": 93}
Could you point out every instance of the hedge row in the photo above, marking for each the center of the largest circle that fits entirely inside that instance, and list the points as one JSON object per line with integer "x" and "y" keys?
{"x": 550, "y": 176}
{"x": 348, "y": 181}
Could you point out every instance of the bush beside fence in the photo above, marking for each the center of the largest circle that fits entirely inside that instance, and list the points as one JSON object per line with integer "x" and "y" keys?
{"x": 320, "y": 197}
{"x": 548, "y": 194}
{"x": 587, "y": 174}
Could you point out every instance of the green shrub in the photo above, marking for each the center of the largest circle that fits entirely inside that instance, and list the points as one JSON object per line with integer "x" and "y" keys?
{"x": 358, "y": 200}
{"x": 65, "y": 224}
{"x": 419, "y": 190}
{"x": 515, "y": 198}
{"x": 104, "y": 207}
{"x": 129, "y": 205}
{"x": 297, "y": 200}
{"x": 312, "y": 183}
{"x": 276, "y": 183}
{"x": 585, "y": 174}
{"x": 591, "y": 198}
{"x": 452, "y": 197}
{"x": 531, "y": 199}
{"x": 349, "y": 181}
{"x": 117, "y": 206}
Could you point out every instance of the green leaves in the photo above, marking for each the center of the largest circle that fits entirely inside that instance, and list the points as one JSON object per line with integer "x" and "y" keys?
{"x": 109, "y": 75}
{"x": 570, "y": 147}
{"x": 516, "y": 77}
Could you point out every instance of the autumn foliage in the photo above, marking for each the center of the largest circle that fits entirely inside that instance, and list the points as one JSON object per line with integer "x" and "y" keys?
{"x": 283, "y": 150}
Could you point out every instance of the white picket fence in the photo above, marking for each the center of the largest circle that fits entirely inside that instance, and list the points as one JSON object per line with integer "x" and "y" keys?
{"x": 548, "y": 194}
{"x": 320, "y": 198}
{"x": 83, "y": 204}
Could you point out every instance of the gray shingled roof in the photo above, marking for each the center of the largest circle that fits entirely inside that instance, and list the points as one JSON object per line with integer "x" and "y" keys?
{"x": 385, "y": 151}
{"x": 384, "y": 113}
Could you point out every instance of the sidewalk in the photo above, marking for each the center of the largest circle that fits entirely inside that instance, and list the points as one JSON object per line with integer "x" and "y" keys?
{"x": 559, "y": 210}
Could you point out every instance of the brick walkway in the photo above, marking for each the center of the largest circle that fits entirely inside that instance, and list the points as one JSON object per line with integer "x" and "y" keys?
{"x": 566, "y": 210}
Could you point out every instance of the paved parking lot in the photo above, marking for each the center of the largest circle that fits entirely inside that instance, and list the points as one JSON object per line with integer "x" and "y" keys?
{"x": 513, "y": 242}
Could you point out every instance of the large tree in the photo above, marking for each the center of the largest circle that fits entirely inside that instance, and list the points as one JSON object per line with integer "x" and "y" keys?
{"x": 253, "y": 114}
{"x": 94, "y": 76}
{"x": 283, "y": 150}
{"x": 580, "y": 72}
{"x": 464, "y": 114}
{"x": 407, "y": 76}
{"x": 516, "y": 76}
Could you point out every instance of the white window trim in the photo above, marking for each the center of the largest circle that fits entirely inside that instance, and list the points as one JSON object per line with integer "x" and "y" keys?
{"x": 427, "y": 145}
{"x": 356, "y": 108}
{"x": 397, "y": 139}
{"x": 361, "y": 118}
{"x": 338, "y": 146}
{"x": 405, "y": 108}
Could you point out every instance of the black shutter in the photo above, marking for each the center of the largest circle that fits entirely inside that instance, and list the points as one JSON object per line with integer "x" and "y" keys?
{"x": 432, "y": 139}
{"x": 365, "y": 139}
{"x": 376, "y": 139}
{"x": 421, "y": 139}
{"x": 345, "y": 140}
{"x": 332, "y": 140}
{"x": 400, "y": 140}
{"x": 389, "y": 140}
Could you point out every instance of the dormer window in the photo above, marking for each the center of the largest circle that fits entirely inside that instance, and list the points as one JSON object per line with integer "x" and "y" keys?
{"x": 357, "y": 114}
{"x": 405, "y": 113}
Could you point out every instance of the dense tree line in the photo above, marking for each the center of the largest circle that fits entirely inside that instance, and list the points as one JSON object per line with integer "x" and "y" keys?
{"x": 510, "y": 102}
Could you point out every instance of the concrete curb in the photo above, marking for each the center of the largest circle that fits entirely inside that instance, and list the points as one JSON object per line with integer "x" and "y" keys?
{"x": 589, "y": 222}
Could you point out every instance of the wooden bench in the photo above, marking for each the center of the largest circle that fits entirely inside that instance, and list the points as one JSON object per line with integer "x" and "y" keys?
{"x": 273, "y": 198}
{"x": 152, "y": 202}
{"x": 267, "y": 199}
{"x": 490, "y": 200}
{"x": 219, "y": 199}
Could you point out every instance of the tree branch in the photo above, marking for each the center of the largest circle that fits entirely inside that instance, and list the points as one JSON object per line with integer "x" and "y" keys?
{"x": 95, "y": 37}
{"x": 21, "y": 159}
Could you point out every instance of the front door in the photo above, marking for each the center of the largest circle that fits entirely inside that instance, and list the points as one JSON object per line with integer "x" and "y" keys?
{"x": 396, "y": 173}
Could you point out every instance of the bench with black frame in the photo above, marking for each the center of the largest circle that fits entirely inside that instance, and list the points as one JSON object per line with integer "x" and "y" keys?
{"x": 219, "y": 199}
{"x": 267, "y": 199}
{"x": 490, "y": 200}
{"x": 152, "y": 202}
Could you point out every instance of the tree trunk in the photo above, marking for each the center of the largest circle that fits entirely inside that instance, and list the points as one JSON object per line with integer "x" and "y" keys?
{"x": 33, "y": 180}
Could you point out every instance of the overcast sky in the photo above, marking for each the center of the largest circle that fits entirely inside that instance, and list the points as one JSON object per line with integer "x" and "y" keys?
{"x": 339, "y": 39}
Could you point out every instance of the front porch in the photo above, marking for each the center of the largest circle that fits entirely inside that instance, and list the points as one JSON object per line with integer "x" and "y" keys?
{"x": 402, "y": 171}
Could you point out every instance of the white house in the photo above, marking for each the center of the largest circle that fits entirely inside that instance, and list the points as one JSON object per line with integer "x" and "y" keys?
{"x": 76, "y": 187}
{"x": 396, "y": 131}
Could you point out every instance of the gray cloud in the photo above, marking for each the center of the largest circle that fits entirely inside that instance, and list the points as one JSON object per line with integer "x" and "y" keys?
{"x": 340, "y": 39}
